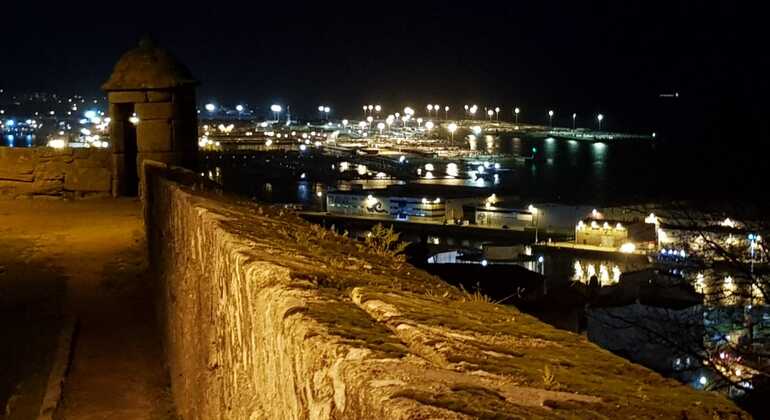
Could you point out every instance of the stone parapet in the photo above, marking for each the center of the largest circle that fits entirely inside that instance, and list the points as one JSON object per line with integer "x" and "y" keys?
{"x": 52, "y": 173}
{"x": 267, "y": 317}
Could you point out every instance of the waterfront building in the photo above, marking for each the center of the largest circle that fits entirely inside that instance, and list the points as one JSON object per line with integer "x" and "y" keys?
{"x": 422, "y": 203}
{"x": 547, "y": 218}
{"x": 614, "y": 234}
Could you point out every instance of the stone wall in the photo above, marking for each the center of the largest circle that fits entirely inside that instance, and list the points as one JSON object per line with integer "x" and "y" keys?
{"x": 266, "y": 317}
{"x": 54, "y": 173}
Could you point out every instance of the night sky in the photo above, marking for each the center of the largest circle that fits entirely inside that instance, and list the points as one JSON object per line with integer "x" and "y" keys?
{"x": 610, "y": 57}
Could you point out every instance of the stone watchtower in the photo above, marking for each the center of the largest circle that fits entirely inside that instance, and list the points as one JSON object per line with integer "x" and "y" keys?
{"x": 153, "y": 114}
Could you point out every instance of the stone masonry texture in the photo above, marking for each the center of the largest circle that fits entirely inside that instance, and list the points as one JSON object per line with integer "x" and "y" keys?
{"x": 264, "y": 316}
{"x": 50, "y": 173}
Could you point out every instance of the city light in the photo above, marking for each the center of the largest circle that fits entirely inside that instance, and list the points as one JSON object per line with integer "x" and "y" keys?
{"x": 57, "y": 143}
{"x": 239, "y": 108}
{"x": 627, "y": 248}
{"x": 452, "y": 128}
{"x": 211, "y": 107}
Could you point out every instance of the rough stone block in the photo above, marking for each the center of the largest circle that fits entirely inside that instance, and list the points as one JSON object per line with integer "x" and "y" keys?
{"x": 88, "y": 179}
{"x": 13, "y": 174}
{"x": 127, "y": 97}
{"x": 17, "y": 166}
{"x": 159, "y": 96}
{"x": 93, "y": 158}
{"x": 154, "y": 136}
{"x": 53, "y": 170}
{"x": 46, "y": 187}
{"x": 155, "y": 111}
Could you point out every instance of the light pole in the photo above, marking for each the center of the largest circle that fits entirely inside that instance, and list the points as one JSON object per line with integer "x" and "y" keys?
{"x": 320, "y": 111}
{"x": 429, "y": 108}
{"x": 550, "y": 118}
{"x": 497, "y": 113}
{"x": 599, "y": 118}
{"x": 536, "y": 215}
{"x": 327, "y": 110}
{"x": 276, "y": 110}
{"x": 377, "y": 109}
{"x": 380, "y": 126}
{"x": 490, "y": 113}
{"x": 574, "y": 116}
{"x": 364, "y": 108}
{"x": 446, "y": 112}
{"x": 429, "y": 126}
{"x": 452, "y": 128}
{"x": 516, "y": 114}
{"x": 239, "y": 108}
{"x": 473, "y": 110}
{"x": 466, "y": 110}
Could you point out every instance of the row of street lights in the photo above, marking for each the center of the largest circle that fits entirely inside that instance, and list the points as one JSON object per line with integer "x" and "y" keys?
{"x": 599, "y": 119}
{"x": 470, "y": 111}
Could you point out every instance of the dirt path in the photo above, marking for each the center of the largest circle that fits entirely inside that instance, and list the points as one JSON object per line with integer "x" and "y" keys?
{"x": 116, "y": 370}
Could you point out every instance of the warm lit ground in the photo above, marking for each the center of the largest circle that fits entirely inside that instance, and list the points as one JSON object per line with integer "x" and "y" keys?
{"x": 84, "y": 259}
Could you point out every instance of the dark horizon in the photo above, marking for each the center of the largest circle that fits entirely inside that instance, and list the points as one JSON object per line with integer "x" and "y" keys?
{"x": 609, "y": 58}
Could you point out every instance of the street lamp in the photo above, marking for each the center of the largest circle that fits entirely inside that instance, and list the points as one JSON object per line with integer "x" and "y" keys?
{"x": 320, "y": 111}
{"x": 466, "y": 110}
{"x": 574, "y": 116}
{"x": 380, "y": 126}
{"x": 452, "y": 128}
{"x": 473, "y": 110}
{"x": 211, "y": 107}
{"x": 429, "y": 108}
{"x": 490, "y": 113}
{"x": 364, "y": 108}
{"x": 446, "y": 112}
{"x": 550, "y": 118}
{"x": 377, "y": 109}
{"x": 370, "y": 108}
{"x": 419, "y": 122}
{"x": 239, "y": 108}
{"x": 516, "y": 113}
{"x": 429, "y": 125}
{"x": 327, "y": 110}
{"x": 276, "y": 110}
{"x": 497, "y": 113}
{"x": 345, "y": 123}
{"x": 599, "y": 118}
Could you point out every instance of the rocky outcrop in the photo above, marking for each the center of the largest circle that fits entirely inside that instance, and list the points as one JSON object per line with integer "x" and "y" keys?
{"x": 266, "y": 317}
{"x": 51, "y": 173}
